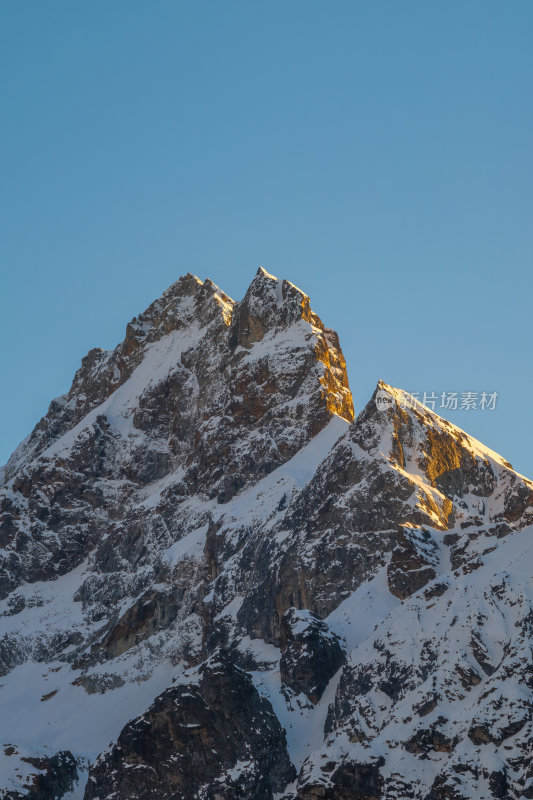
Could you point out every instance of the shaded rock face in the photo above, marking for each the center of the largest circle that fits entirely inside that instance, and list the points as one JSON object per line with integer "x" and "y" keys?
{"x": 153, "y": 611}
{"x": 431, "y": 739}
{"x": 311, "y": 654}
{"x": 212, "y": 738}
{"x": 204, "y": 488}
{"x": 347, "y": 781}
{"x": 53, "y": 777}
{"x": 412, "y": 563}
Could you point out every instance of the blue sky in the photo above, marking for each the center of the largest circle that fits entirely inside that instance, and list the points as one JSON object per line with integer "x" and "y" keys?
{"x": 376, "y": 154}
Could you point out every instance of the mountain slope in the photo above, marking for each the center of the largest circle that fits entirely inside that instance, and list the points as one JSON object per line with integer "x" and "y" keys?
{"x": 202, "y": 510}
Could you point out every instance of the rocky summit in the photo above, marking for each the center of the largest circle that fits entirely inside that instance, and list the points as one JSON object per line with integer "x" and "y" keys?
{"x": 216, "y": 583}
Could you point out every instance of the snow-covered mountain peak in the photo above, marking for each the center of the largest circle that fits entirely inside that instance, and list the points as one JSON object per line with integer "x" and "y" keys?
{"x": 403, "y": 405}
{"x": 454, "y": 479}
{"x": 212, "y": 565}
{"x": 204, "y": 394}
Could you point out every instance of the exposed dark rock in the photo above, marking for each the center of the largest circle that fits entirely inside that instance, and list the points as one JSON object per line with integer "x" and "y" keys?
{"x": 430, "y": 739}
{"x": 446, "y": 788}
{"x": 311, "y": 653}
{"x": 215, "y": 737}
{"x": 99, "y": 683}
{"x": 427, "y": 705}
{"x": 485, "y": 733}
{"x": 499, "y": 785}
{"x": 412, "y": 563}
{"x": 152, "y": 612}
{"x": 348, "y": 781}
{"x": 54, "y": 777}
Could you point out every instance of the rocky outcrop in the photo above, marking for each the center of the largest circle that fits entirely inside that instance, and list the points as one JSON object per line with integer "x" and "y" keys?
{"x": 210, "y": 737}
{"x": 52, "y": 777}
{"x": 413, "y": 562}
{"x": 346, "y": 781}
{"x": 311, "y": 654}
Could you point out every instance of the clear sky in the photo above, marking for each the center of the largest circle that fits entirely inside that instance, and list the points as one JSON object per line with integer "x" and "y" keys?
{"x": 377, "y": 154}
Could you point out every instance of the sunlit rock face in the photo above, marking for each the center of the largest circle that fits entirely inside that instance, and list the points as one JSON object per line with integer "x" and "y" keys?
{"x": 248, "y": 592}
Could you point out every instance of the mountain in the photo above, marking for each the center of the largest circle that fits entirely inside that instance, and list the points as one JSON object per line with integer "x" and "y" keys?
{"x": 216, "y": 583}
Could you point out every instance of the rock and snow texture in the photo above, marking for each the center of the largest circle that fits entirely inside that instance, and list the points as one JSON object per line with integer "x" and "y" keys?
{"x": 215, "y": 583}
